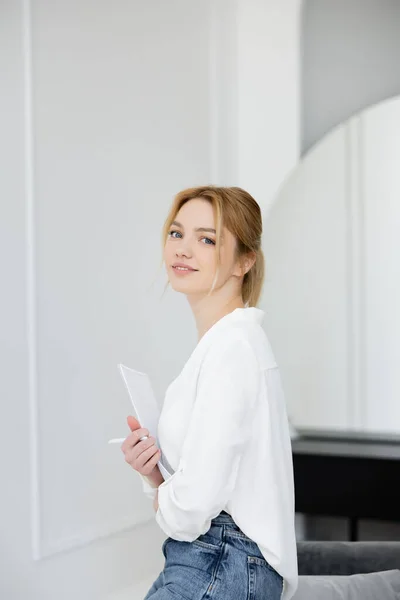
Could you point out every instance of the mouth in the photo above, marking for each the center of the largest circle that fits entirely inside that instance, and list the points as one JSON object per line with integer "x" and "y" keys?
{"x": 180, "y": 269}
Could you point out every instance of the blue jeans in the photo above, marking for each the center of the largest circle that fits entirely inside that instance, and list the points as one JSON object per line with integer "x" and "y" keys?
{"x": 223, "y": 564}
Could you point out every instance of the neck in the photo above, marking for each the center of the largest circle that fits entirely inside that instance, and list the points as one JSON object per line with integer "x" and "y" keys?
{"x": 209, "y": 310}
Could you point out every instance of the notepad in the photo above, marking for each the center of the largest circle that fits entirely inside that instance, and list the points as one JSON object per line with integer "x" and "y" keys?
{"x": 145, "y": 407}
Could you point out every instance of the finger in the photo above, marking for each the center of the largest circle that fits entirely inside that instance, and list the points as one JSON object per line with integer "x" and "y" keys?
{"x": 147, "y": 460}
{"x": 133, "y": 426}
{"x": 142, "y": 445}
{"x": 147, "y": 454}
{"x": 133, "y": 423}
{"x": 134, "y": 438}
{"x": 138, "y": 461}
{"x": 148, "y": 468}
{"x": 140, "y": 432}
{"x": 145, "y": 444}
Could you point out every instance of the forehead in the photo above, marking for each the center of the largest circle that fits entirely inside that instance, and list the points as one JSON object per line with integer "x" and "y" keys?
{"x": 197, "y": 209}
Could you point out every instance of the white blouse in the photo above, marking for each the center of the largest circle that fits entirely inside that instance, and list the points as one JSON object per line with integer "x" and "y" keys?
{"x": 224, "y": 430}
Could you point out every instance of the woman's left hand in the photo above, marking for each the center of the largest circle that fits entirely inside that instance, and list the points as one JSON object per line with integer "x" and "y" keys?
{"x": 155, "y": 501}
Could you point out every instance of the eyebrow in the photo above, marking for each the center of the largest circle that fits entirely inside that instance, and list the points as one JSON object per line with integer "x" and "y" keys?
{"x": 208, "y": 229}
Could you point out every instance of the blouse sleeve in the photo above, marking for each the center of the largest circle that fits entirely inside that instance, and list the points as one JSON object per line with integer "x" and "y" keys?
{"x": 148, "y": 490}
{"x": 219, "y": 428}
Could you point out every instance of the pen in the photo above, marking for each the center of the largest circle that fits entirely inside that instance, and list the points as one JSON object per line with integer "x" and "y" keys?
{"x": 120, "y": 440}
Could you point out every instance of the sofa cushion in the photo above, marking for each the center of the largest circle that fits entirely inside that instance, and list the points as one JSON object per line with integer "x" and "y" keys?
{"x": 384, "y": 585}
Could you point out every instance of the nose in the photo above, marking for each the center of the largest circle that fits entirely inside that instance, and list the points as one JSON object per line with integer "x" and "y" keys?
{"x": 183, "y": 249}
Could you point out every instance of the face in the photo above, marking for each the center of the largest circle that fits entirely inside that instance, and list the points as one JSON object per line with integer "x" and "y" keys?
{"x": 191, "y": 245}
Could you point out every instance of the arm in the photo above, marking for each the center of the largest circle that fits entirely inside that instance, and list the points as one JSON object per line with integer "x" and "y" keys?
{"x": 155, "y": 501}
{"x": 155, "y": 479}
{"x": 218, "y": 430}
{"x": 151, "y": 482}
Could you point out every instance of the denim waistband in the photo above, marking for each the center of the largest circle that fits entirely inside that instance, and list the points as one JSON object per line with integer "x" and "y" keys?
{"x": 222, "y": 518}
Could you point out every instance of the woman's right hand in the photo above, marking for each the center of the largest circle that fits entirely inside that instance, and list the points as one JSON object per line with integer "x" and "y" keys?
{"x": 144, "y": 455}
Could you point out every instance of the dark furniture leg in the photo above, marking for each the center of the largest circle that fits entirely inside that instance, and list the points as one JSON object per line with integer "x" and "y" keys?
{"x": 353, "y": 523}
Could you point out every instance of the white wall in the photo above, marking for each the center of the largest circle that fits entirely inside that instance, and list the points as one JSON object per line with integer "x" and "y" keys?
{"x": 307, "y": 289}
{"x": 333, "y": 283}
{"x": 106, "y": 112}
{"x": 379, "y": 130}
{"x": 268, "y": 67}
{"x": 349, "y": 61}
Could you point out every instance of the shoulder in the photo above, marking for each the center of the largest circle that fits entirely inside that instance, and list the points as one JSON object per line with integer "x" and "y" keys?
{"x": 231, "y": 368}
{"x": 249, "y": 341}
{"x": 233, "y": 347}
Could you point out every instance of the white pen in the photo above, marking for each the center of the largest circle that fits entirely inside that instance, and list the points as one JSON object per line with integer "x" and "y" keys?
{"x": 120, "y": 440}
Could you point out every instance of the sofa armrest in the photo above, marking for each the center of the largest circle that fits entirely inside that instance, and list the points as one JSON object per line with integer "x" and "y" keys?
{"x": 346, "y": 558}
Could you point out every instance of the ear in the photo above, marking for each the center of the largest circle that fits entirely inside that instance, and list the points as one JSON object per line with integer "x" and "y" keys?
{"x": 244, "y": 264}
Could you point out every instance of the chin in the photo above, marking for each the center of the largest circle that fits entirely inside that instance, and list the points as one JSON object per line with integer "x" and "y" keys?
{"x": 184, "y": 288}
{"x": 189, "y": 288}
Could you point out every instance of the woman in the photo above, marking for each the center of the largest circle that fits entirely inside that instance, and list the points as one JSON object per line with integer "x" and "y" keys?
{"x": 228, "y": 508}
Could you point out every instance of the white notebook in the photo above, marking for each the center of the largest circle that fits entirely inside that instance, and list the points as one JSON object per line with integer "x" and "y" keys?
{"x": 145, "y": 407}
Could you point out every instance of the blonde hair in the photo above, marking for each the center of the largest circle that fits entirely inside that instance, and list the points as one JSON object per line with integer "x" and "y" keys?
{"x": 235, "y": 209}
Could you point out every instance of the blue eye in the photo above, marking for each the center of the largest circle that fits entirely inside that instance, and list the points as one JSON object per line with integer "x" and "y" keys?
{"x": 172, "y": 232}
{"x": 209, "y": 240}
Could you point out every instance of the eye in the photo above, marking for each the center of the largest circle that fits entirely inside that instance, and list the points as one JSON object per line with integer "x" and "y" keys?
{"x": 171, "y": 233}
{"x": 208, "y": 240}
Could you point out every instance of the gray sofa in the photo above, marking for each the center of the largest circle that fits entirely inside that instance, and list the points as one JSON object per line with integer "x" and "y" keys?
{"x": 346, "y": 558}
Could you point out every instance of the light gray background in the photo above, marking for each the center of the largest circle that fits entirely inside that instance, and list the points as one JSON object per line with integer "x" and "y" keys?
{"x": 350, "y": 60}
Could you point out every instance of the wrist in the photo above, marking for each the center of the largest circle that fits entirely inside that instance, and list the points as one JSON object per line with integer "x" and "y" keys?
{"x": 155, "y": 501}
{"x": 155, "y": 478}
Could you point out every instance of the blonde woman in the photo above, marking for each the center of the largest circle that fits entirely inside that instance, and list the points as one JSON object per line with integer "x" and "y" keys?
{"x": 228, "y": 508}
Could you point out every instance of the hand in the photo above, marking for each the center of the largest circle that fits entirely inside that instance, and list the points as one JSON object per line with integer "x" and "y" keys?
{"x": 141, "y": 455}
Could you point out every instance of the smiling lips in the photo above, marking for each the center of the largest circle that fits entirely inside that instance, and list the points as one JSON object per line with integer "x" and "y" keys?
{"x": 182, "y": 269}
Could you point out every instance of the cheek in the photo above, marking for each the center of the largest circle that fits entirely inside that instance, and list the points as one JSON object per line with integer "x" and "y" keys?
{"x": 167, "y": 252}
{"x": 206, "y": 256}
